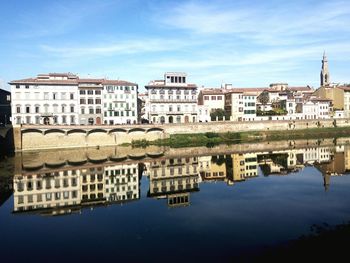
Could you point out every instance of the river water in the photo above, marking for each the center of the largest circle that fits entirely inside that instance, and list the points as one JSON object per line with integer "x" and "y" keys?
{"x": 159, "y": 204}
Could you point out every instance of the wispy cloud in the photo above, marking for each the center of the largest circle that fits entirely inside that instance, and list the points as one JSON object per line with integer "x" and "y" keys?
{"x": 146, "y": 45}
{"x": 274, "y": 24}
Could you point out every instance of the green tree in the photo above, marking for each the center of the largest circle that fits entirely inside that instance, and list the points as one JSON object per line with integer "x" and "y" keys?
{"x": 220, "y": 113}
{"x": 264, "y": 98}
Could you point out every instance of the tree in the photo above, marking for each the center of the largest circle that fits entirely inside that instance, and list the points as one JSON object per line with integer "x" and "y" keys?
{"x": 264, "y": 98}
{"x": 220, "y": 113}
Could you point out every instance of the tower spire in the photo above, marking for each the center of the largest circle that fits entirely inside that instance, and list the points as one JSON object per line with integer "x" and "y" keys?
{"x": 325, "y": 71}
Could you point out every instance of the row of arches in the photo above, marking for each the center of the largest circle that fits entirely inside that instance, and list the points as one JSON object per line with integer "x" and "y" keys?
{"x": 87, "y": 132}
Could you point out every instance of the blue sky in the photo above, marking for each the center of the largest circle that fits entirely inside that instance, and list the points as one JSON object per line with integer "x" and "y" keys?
{"x": 248, "y": 43}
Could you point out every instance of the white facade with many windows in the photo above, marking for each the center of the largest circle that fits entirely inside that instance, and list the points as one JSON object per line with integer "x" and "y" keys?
{"x": 120, "y": 102}
{"x": 65, "y": 99}
{"x": 47, "y": 99}
{"x": 172, "y": 100}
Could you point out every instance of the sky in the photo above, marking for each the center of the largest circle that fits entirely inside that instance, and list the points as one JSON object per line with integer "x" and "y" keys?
{"x": 247, "y": 43}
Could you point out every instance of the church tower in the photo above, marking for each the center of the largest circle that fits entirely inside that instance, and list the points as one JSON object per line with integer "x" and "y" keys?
{"x": 324, "y": 71}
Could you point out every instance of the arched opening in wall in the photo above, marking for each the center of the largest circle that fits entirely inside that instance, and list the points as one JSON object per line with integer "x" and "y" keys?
{"x": 46, "y": 121}
{"x": 194, "y": 119}
{"x": 162, "y": 119}
{"x": 91, "y": 121}
{"x": 170, "y": 119}
{"x": 98, "y": 120}
{"x": 187, "y": 119}
{"x": 178, "y": 119}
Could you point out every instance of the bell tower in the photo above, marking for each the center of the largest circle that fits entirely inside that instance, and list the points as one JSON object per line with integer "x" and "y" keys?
{"x": 325, "y": 79}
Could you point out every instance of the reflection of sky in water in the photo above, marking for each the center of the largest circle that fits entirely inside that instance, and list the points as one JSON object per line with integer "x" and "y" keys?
{"x": 221, "y": 221}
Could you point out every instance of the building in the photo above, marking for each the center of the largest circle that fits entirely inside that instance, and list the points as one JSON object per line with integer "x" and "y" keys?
{"x": 213, "y": 98}
{"x": 47, "y": 99}
{"x": 172, "y": 100}
{"x": 241, "y": 104}
{"x": 173, "y": 179}
{"x": 66, "y": 99}
{"x": 5, "y": 107}
{"x": 90, "y": 101}
{"x": 120, "y": 102}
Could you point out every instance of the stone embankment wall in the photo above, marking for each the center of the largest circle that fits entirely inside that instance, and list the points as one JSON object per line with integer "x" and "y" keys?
{"x": 32, "y": 137}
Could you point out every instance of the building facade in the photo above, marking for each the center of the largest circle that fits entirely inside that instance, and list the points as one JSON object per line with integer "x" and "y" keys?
{"x": 172, "y": 100}
{"x": 46, "y": 99}
{"x": 5, "y": 107}
{"x": 120, "y": 102}
{"x": 66, "y": 99}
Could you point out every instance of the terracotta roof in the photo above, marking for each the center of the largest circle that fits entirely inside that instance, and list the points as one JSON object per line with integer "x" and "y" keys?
{"x": 213, "y": 91}
{"x": 345, "y": 88}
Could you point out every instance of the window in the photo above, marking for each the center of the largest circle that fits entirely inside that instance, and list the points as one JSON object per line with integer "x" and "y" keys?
{"x": 18, "y": 109}
{"x": 71, "y": 96}
{"x": 206, "y": 97}
{"x": 63, "y": 108}
{"x": 97, "y": 92}
{"x": 90, "y": 101}
{"x": 37, "y": 119}
{"x": 82, "y": 110}
{"x": 27, "y": 119}
{"x": 90, "y": 92}
{"x": 63, "y": 96}
{"x": 71, "y": 108}
{"x": 98, "y": 101}
{"x": 54, "y": 96}
{"x": 91, "y": 111}
{"x": 98, "y": 111}
{"x": 17, "y": 86}
{"x": 27, "y": 86}
{"x": 82, "y": 92}
{"x": 213, "y": 97}
{"x": 46, "y": 95}
{"x": 64, "y": 119}
{"x": 219, "y": 97}
{"x": 82, "y": 101}
{"x": 37, "y": 109}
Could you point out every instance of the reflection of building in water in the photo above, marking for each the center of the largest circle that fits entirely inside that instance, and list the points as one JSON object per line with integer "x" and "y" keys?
{"x": 58, "y": 192}
{"x": 229, "y": 168}
{"x": 122, "y": 182}
{"x": 314, "y": 154}
{"x": 92, "y": 185}
{"x": 173, "y": 179}
{"x": 47, "y": 190}
{"x": 212, "y": 169}
{"x": 336, "y": 166}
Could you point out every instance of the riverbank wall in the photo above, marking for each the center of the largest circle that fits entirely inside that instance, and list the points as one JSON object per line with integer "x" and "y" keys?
{"x": 40, "y": 137}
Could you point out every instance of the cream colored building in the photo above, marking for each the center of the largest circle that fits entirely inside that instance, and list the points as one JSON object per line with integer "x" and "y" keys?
{"x": 173, "y": 179}
{"x": 172, "y": 100}
{"x": 53, "y": 191}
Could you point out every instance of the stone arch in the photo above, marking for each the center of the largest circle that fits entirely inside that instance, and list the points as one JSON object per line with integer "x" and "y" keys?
{"x": 54, "y": 130}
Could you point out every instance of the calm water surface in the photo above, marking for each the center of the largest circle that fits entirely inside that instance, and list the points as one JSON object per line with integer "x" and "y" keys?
{"x": 167, "y": 205}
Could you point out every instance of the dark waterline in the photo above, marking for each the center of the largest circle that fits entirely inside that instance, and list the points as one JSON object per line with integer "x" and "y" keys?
{"x": 213, "y": 217}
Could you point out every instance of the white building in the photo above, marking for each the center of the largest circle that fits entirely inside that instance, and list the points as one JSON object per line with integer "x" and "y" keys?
{"x": 172, "y": 100}
{"x": 119, "y": 102}
{"x": 47, "y": 99}
{"x": 203, "y": 113}
{"x": 64, "y": 98}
